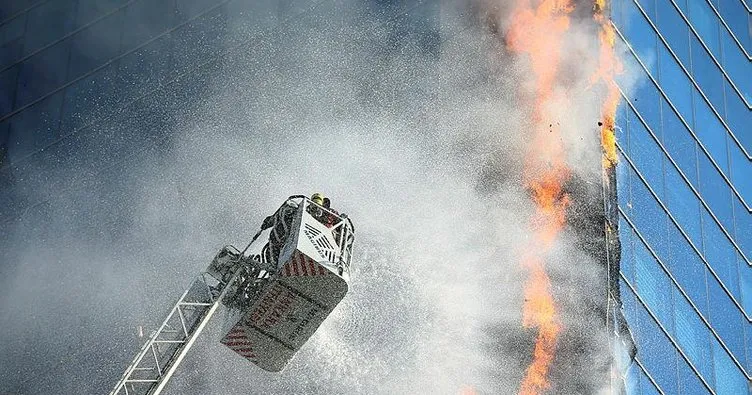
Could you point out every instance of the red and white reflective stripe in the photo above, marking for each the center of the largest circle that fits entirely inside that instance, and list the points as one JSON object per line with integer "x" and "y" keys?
{"x": 301, "y": 265}
{"x": 237, "y": 341}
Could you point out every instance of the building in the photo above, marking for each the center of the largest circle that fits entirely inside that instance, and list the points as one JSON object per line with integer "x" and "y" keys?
{"x": 684, "y": 184}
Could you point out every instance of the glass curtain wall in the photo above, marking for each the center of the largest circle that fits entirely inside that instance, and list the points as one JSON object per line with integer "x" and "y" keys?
{"x": 684, "y": 184}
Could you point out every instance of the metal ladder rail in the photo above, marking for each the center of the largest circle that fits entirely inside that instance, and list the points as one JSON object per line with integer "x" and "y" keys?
{"x": 169, "y": 344}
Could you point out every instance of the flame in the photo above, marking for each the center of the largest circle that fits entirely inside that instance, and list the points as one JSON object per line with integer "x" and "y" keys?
{"x": 608, "y": 67}
{"x": 537, "y": 30}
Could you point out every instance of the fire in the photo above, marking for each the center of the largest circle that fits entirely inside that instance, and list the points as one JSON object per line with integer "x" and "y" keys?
{"x": 537, "y": 30}
{"x": 608, "y": 67}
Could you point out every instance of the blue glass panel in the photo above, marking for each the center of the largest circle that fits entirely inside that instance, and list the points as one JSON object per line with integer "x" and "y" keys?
{"x": 693, "y": 336}
{"x": 10, "y": 52}
{"x": 188, "y": 9}
{"x": 711, "y": 133}
{"x": 743, "y": 221}
{"x": 90, "y": 10}
{"x": 737, "y": 66}
{"x": 627, "y": 237}
{"x": 650, "y": 219}
{"x": 706, "y": 23}
{"x": 7, "y": 89}
{"x": 646, "y": 386}
{"x": 644, "y": 152}
{"x": 620, "y": 129}
{"x": 649, "y": 7}
{"x": 13, "y": 29}
{"x": 737, "y": 18}
{"x": 35, "y": 127}
{"x": 738, "y": 117}
{"x": 748, "y": 337}
{"x": 680, "y": 145}
{"x": 683, "y": 205}
{"x": 141, "y": 71}
{"x": 675, "y": 30}
{"x": 42, "y": 73}
{"x": 682, "y": 6}
{"x": 676, "y": 84}
{"x": 50, "y": 21}
{"x": 730, "y": 380}
{"x": 152, "y": 19}
{"x": 720, "y": 253}
{"x": 740, "y": 171}
{"x": 629, "y": 302}
{"x": 688, "y": 270}
{"x": 745, "y": 283}
{"x": 661, "y": 360}
{"x": 716, "y": 193}
{"x": 88, "y": 99}
{"x": 641, "y": 36}
{"x": 200, "y": 39}
{"x": 623, "y": 181}
{"x": 647, "y": 103}
{"x": 633, "y": 379}
{"x": 689, "y": 382}
{"x": 95, "y": 45}
{"x": 707, "y": 74}
{"x": 726, "y": 318}
{"x": 652, "y": 283}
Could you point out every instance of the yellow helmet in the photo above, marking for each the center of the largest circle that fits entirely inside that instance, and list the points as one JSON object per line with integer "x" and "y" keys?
{"x": 318, "y": 198}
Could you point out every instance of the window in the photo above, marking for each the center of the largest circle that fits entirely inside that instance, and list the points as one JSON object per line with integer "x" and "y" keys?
{"x": 676, "y": 84}
{"x": 683, "y": 205}
{"x": 726, "y": 318}
{"x": 652, "y": 285}
{"x": 646, "y": 101}
{"x": 645, "y": 153}
{"x": 707, "y": 74}
{"x": 693, "y": 337}
{"x": 11, "y": 40}
{"x": 649, "y": 7}
{"x": 661, "y": 360}
{"x": 737, "y": 18}
{"x": 743, "y": 222}
{"x": 641, "y": 36}
{"x": 745, "y": 285}
{"x": 705, "y": 22}
{"x": 89, "y": 10}
{"x": 42, "y": 73}
{"x": 89, "y": 99}
{"x": 50, "y": 21}
{"x": 711, "y": 133}
{"x": 35, "y": 127}
{"x": 145, "y": 68}
{"x": 716, "y": 192}
{"x": 152, "y": 18}
{"x": 680, "y": 145}
{"x": 627, "y": 238}
{"x": 738, "y": 117}
{"x": 95, "y": 45}
{"x": 7, "y": 89}
{"x": 674, "y": 29}
{"x": 729, "y": 378}
{"x": 719, "y": 253}
{"x": 738, "y": 67}
{"x": 689, "y": 382}
{"x": 688, "y": 270}
{"x": 650, "y": 219}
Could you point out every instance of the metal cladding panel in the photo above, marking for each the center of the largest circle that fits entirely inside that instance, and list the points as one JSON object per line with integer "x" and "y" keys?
{"x": 287, "y": 313}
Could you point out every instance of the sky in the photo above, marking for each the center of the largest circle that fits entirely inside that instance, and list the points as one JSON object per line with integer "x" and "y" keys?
{"x": 417, "y": 130}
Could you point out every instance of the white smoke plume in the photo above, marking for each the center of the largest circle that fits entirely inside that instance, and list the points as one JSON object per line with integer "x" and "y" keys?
{"x": 417, "y": 132}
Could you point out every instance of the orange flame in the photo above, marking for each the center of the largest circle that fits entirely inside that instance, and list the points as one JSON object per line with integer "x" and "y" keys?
{"x": 608, "y": 67}
{"x": 537, "y": 30}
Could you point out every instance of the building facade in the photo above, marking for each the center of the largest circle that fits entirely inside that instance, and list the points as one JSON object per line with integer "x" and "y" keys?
{"x": 684, "y": 184}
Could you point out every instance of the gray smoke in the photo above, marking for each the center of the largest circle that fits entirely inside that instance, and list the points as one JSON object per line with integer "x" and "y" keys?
{"x": 417, "y": 131}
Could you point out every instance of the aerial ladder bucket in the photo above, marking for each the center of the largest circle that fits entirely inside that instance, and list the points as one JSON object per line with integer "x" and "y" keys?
{"x": 275, "y": 299}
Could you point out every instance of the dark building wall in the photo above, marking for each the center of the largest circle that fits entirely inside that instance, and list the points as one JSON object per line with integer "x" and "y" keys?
{"x": 685, "y": 193}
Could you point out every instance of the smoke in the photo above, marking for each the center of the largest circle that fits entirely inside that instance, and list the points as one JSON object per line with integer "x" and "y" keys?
{"x": 416, "y": 130}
